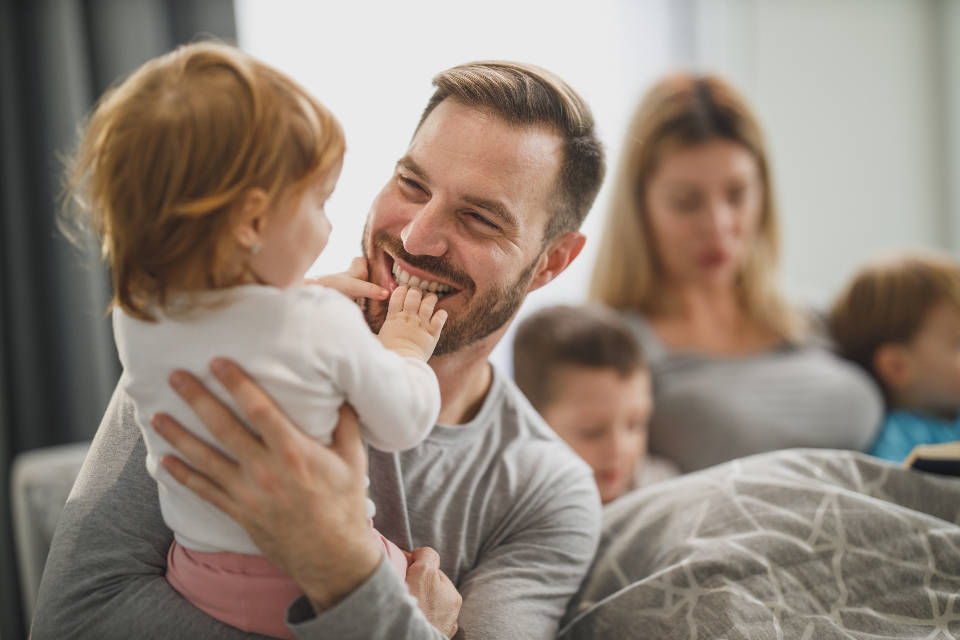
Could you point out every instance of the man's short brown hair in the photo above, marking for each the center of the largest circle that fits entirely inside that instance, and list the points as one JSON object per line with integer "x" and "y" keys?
{"x": 587, "y": 336}
{"x": 887, "y": 303}
{"x": 525, "y": 95}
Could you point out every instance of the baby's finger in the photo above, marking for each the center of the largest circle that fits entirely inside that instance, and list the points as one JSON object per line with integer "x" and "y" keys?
{"x": 358, "y": 269}
{"x": 437, "y": 322}
{"x": 354, "y": 288}
{"x": 396, "y": 299}
{"x": 411, "y": 301}
{"x": 427, "y": 305}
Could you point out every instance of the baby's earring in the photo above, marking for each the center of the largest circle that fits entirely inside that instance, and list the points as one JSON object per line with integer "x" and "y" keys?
{"x": 255, "y": 249}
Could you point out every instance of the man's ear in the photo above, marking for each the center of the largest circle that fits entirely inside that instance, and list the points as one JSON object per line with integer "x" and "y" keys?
{"x": 559, "y": 254}
{"x": 894, "y": 367}
{"x": 249, "y": 219}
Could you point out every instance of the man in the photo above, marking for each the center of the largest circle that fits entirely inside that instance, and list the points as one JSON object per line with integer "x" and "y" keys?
{"x": 485, "y": 203}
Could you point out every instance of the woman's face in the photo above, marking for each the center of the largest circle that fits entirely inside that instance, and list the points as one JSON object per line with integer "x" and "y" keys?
{"x": 704, "y": 205}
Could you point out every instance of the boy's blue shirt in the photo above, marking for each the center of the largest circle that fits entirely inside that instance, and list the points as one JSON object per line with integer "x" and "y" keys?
{"x": 903, "y": 430}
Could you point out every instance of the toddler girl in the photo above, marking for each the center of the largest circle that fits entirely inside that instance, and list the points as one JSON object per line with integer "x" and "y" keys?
{"x": 206, "y": 174}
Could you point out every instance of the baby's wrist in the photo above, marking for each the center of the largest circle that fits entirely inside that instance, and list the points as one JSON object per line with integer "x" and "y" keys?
{"x": 409, "y": 351}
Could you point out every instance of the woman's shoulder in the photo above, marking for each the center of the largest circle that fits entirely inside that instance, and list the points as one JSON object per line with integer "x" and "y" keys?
{"x": 654, "y": 350}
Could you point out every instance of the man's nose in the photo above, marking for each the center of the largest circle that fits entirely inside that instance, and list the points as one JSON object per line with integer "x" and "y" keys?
{"x": 425, "y": 233}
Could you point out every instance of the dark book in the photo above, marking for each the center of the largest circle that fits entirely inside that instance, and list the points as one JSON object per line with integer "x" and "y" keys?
{"x": 935, "y": 458}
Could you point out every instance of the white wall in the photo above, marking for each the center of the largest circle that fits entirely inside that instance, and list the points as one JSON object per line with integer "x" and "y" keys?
{"x": 371, "y": 63}
{"x": 950, "y": 40}
{"x": 852, "y": 96}
{"x": 860, "y": 100}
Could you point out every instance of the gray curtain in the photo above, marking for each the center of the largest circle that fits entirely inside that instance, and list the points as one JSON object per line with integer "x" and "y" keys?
{"x": 58, "y": 365}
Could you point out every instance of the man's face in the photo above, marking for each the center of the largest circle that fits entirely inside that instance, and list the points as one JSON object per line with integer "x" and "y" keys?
{"x": 463, "y": 215}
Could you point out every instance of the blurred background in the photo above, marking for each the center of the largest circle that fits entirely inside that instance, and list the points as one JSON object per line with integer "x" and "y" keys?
{"x": 860, "y": 100}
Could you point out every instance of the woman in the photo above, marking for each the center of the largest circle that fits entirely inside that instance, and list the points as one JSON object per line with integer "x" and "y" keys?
{"x": 689, "y": 254}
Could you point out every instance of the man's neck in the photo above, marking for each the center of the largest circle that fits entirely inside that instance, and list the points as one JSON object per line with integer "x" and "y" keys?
{"x": 465, "y": 378}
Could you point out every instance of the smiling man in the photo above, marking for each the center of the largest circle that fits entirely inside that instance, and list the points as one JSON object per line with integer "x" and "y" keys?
{"x": 482, "y": 208}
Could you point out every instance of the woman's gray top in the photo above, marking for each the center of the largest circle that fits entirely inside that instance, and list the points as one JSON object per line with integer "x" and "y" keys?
{"x": 709, "y": 409}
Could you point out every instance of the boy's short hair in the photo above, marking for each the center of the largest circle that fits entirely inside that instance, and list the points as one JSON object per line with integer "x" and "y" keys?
{"x": 887, "y": 302}
{"x": 586, "y": 336}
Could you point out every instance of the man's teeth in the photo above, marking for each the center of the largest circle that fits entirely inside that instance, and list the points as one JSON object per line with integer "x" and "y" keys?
{"x": 402, "y": 277}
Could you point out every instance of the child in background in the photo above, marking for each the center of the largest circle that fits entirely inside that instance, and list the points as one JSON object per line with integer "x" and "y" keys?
{"x": 206, "y": 173}
{"x": 583, "y": 370}
{"x": 900, "y": 320}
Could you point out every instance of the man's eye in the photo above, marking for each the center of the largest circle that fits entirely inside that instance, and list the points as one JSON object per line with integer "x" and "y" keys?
{"x": 480, "y": 219}
{"x": 412, "y": 184}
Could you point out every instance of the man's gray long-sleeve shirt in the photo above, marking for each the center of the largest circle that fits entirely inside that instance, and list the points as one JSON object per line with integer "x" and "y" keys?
{"x": 512, "y": 512}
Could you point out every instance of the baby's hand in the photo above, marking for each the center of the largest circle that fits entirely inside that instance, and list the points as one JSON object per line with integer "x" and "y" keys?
{"x": 412, "y": 328}
{"x": 353, "y": 283}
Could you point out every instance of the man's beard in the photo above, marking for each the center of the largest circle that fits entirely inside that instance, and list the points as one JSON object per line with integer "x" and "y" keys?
{"x": 485, "y": 314}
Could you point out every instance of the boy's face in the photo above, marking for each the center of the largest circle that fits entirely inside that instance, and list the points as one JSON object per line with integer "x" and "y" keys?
{"x": 603, "y": 416}
{"x": 932, "y": 362}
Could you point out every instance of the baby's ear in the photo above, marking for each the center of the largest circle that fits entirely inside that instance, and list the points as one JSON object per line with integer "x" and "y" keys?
{"x": 249, "y": 218}
{"x": 893, "y": 366}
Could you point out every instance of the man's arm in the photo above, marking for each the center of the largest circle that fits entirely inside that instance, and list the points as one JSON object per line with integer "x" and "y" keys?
{"x": 282, "y": 484}
{"x": 104, "y": 576}
{"x": 521, "y": 587}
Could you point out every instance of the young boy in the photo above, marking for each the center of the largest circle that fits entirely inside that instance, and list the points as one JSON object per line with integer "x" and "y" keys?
{"x": 583, "y": 370}
{"x": 900, "y": 320}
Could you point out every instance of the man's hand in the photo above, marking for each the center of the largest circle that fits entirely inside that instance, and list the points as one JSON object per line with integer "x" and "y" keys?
{"x": 301, "y": 502}
{"x": 439, "y": 600}
{"x": 353, "y": 283}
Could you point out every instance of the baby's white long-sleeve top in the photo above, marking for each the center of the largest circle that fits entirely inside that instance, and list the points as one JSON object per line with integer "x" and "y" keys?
{"x": 308, "y": 347}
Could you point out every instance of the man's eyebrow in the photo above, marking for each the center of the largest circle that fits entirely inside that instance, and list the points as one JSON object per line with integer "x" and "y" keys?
{"x": 495, "y": 207}
{"x": 408, "y": 163}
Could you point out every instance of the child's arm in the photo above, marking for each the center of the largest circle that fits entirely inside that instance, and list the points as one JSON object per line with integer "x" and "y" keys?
{"x": 353, "y": 283}
{"x": 393, "y": 390}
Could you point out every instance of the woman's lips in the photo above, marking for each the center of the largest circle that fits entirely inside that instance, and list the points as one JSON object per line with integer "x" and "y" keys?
{"x": 714, "y": 258}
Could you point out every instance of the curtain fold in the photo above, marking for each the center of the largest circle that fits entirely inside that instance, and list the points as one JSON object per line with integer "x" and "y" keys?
{"x": 58, "y": 364}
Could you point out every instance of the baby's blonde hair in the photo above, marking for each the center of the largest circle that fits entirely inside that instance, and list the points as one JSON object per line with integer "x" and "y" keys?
{"x": 168, "y": 154}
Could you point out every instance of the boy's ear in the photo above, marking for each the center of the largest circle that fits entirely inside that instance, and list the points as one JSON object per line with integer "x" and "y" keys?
{"x": 250, "y": 218}
{"x": 893, "y": 366}
{"x": 559, "y": 254}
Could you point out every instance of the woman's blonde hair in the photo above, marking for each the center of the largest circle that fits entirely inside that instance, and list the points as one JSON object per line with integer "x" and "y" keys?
{"x": 168, "y": 155}
{"x": 682, "y": 111}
